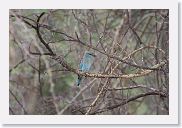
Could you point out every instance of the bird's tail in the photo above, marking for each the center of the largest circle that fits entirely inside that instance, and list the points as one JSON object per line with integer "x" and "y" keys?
{"x": 79, "y": 80}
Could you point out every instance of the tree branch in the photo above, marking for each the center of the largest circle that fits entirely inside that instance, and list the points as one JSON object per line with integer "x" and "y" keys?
{"x": 100, "y": 75}
{"x": 40, "y": 37}
{"x": 159, "y": 93}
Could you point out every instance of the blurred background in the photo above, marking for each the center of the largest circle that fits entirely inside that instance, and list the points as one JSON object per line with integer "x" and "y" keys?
{"x": 38, "y": 84}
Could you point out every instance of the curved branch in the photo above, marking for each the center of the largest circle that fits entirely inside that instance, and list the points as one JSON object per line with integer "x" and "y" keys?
{"x": 132, "y": 87}
{"x": 40, "y": 37}
{"x": 162, "y": 94}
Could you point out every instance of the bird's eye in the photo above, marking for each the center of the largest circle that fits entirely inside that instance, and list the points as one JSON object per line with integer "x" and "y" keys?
{"x": 91, "y": 54}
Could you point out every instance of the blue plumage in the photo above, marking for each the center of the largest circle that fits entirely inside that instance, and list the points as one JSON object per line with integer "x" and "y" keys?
{"x": 85, "y": 64}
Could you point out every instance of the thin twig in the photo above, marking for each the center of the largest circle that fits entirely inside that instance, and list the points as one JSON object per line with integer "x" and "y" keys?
{"x": 22, "y": 61}
{"x": 18, "y": 101}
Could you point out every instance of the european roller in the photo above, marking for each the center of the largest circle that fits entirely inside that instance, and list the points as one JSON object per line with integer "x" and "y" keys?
{"x": 85, "y": 64}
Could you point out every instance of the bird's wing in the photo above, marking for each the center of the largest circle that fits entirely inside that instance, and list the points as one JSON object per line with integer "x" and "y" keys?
{"x": 88, "y": 62}
{"x": 81, "y": 65}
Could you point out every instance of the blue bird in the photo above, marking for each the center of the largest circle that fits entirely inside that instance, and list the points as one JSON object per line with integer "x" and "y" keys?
{"x": 85, "y": 64}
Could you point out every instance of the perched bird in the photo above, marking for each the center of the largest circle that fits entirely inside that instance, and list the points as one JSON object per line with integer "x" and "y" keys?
{"x": 85, "y": 64}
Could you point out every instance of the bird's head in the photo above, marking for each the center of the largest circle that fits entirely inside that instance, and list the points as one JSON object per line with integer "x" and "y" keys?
{"x": 90, "y": 53}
